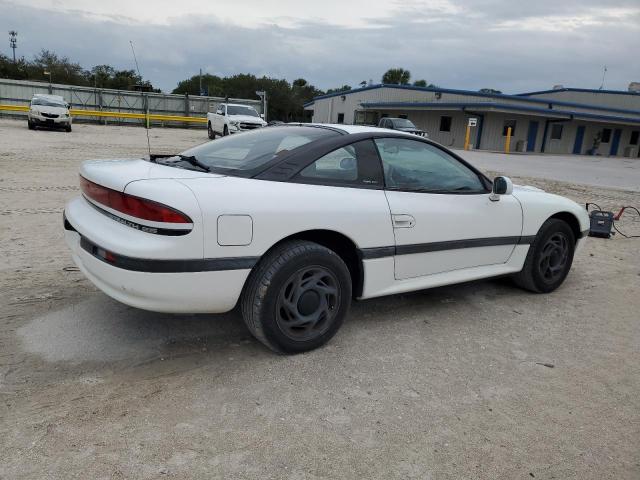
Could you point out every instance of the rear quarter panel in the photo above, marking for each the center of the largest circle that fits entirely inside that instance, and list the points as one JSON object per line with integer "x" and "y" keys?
{"x": 280, "y": 209}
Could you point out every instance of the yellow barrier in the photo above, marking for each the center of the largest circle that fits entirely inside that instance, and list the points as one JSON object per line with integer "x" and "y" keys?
{"x": 107, "y": 114}
{"x": 14, "y": 108}
{"x": 507, "y": 142}
{"x": 467, "y": 137}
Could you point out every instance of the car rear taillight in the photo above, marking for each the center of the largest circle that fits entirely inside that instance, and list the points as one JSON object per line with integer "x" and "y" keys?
{"x": 130, "y": 205}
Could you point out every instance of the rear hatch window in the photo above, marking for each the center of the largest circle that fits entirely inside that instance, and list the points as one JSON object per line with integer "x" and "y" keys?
{"x": 243, "y": 153}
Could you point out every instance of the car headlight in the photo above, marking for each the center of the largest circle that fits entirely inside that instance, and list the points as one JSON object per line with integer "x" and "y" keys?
{"x": 235, "y": 123}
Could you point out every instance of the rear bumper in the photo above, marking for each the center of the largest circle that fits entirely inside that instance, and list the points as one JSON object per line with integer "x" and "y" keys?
{"x": 172, "y": 286}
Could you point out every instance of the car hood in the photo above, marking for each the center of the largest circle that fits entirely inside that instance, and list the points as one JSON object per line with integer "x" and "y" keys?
{"x": 48, "y": 109}
{"x": 527, "y": 188}
{"x": 408, "y": 129}
{"x": 247, "y": 119}
{"x": 118, "y": 173}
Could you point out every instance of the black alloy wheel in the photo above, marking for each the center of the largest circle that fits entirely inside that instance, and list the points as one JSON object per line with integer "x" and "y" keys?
{"x": 297, "y": 296}
{"x": 553, "y": 257}
{"x": 549, "y": 258}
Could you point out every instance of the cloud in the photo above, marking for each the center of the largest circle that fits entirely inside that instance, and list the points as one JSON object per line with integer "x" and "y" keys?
{"x": 479, "y": 43}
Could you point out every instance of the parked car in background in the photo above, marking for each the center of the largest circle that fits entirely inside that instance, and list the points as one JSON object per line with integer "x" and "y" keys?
{"x": 50, "y": 111}
{"x": 291, "y": 222}
{"x": 402, "y": 125}
{"x": 233, "y": 118}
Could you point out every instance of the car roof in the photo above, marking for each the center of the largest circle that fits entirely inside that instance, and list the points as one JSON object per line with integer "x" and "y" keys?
{"x": 353, "y": 129}
{"x": 45, "y": 95}
{"x": 237, "y": 105}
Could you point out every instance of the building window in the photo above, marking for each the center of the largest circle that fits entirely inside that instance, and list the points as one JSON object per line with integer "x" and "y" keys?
{"x": 366, "y": 118}
{"x": 634, "y": 137}
{"x": 606, "y": 135}
{"x": 341, "y": 118}
{"x": 556, "y": 131}
{"x": 507, "y": 124}
{"x": 445, "y": 124}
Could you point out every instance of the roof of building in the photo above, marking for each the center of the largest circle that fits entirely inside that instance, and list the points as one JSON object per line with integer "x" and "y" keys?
{"x": 519, "y": 97}
{"x": 585, "y": 90}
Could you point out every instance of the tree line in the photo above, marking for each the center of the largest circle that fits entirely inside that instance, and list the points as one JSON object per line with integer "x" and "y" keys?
{"x": 285, "y": 100}
{"x": 48, "y": 66}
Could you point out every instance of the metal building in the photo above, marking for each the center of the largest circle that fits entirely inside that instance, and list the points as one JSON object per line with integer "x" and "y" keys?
{"x": 566, "y": 120}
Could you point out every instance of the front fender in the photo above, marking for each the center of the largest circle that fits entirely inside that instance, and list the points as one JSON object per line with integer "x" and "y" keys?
{"x": 538, "y": 206}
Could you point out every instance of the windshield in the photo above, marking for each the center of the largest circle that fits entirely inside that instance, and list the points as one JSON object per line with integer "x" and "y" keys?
{"x": 48, "y": 102}
{"x": 241, "y": 110}
{"x": 250, "y": 150}
{"x": 402, "y": 123}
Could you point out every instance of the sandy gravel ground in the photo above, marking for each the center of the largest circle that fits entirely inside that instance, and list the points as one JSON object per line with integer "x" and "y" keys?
{"x": 443, "y": 384}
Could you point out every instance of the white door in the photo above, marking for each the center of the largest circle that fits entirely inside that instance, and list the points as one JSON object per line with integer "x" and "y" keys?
{"x": 441, "y": 212}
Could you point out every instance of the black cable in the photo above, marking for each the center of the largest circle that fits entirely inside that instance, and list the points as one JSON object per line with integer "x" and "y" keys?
{"x": 594, "y": 204}
{"x": 616, "y": 228}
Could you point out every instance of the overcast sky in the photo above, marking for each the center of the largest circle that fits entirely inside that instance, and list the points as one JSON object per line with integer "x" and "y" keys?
{"x": 513, "y": 46}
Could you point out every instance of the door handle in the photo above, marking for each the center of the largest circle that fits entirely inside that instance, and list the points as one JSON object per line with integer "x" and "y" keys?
{"x": 403, "y": 221}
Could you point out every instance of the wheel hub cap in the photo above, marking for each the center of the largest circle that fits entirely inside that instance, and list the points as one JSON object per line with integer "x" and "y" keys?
{"x": 307, "y": 303}
{"x": 554, "y": 256}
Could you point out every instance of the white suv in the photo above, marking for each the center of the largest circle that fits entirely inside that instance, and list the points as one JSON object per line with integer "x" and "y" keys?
{"x": 233, "y": 118}
{"x": 49, "y": 111}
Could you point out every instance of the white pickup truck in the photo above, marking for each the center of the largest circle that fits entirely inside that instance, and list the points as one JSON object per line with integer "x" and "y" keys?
{"x": 233, "y": 118}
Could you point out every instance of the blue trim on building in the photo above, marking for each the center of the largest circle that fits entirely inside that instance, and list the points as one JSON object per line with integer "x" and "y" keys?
{"x": 569, "y": 114}
{"x": 518, "y": 97}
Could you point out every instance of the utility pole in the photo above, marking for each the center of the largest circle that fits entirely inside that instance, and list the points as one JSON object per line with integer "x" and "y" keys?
{"x": 13, "y": 42}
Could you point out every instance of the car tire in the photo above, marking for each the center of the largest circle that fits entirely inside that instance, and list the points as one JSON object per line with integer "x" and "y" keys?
{"x": 225, "y": 132}
{"x": 210, "y": 132}
{"x": 297, "y": 297}
{"x": 549, "y": 258}
{"x": 31, "y": 125}
{"x": 67, "y": 129}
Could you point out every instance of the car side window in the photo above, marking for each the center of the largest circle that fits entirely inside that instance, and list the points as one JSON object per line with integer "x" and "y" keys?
{"x": 341, "y": 164}
{"x": 355, "y": 165}
{"x": 418, "y": 166}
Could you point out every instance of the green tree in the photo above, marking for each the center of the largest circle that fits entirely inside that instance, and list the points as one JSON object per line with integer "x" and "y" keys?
{"x": 285, "y": 101}
{"x": 343, "y": 88}
{"x": 398, "y": 76}
{"x": 67, "y": 72}
{"x": 489, "y": 90}
{"x": 62, "y": 70}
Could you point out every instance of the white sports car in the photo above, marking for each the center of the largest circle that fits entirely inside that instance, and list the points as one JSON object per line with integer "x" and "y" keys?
{"x": 292, "y": 222}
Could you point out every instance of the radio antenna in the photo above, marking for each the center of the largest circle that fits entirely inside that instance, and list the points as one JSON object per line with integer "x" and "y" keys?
{"x": 146, "y": 125}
